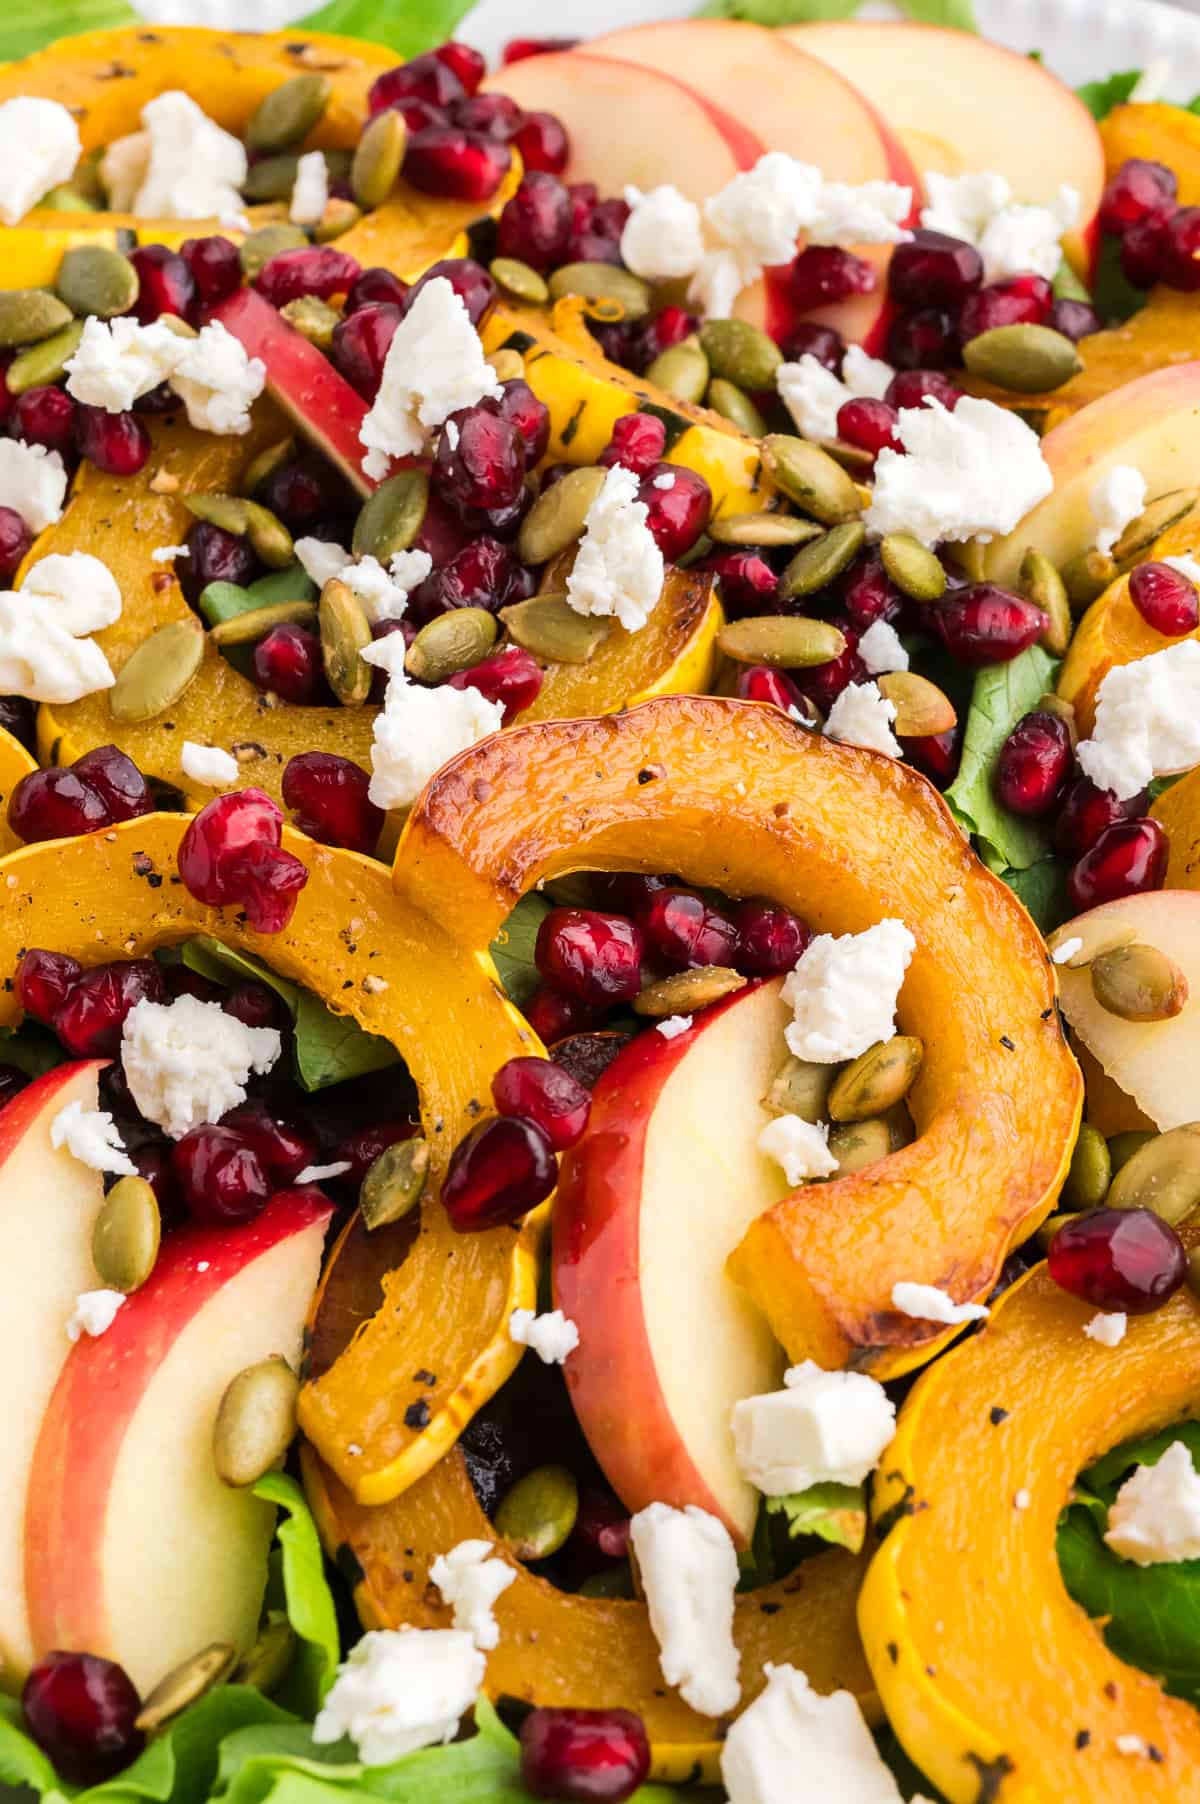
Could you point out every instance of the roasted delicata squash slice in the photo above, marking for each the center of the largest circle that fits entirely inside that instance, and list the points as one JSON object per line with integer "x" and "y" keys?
{"x": 15, "y": 763}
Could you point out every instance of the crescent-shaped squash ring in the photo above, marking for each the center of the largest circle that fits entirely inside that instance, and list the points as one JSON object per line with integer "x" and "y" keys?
{"x": 15, "y": 763}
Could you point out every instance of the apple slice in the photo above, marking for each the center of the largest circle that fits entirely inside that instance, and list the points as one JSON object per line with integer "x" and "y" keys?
{"x": 134, "y": 1547}
{"x": 650, "y": 1204}
{"x": 960, "y": 102}
{"x": 48, "y": 1203}
{"x": 1152, "y": 423}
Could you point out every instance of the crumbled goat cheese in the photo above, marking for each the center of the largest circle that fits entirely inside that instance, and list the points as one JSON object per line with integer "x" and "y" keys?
{"x": 123, "y": 169}
{"x": 166, "y": 554}
{"x": 435, "y": 365}
{"x": 39, "y": 148}
{"x": 194, "y": 169}
{"x": 417, "y": 730}
{"x": 1155, "y": 1517}
{"x": 94, "y": 1313}
{"x": 187, "y": 1062}
{"x": 822, "y": 1428}
{"x": 880, "y": 649}
{"x": 662, "y": 239}
{"x": 792, "y": 1743}
{"x": 310, "y": 192}
{"x": 1116, "y": 500}
{"x": 761, "y": 213}
{"x": 1187, "y": 566}
{"x": 619, "y": 569}
{"x": 217, "y": 381}
{"x": 1147, "y": 721}
{"x": 673, "y": 1026}
{"x": 862, "y": 716}
{"x": 320, "y": 560}
{"x": 43, "y": 654}
{"x": 801, "y": 1147}
{"x": 92, "y": 1137}
{"x": 926, "y": 1303}
{"x": 814, "y": 396}
{"x": 969, "y": 474}
{"x": 715, "y": 287}
{"x": 384, "y": 593}
{"x": 843, "y": 992}
{"x": 211, "y": 765}
{"x": 80, "y": 591}
{"x": 689, "y": 1573}
{"x": 400, "y": 1690}
{"x": 1107, "y": 1328}
{"x": 321, "y": 1174}
{"x": 552, "y": 1335}
{"x": 33, "y": 482}
{"x": 471, "y": 1581}
{"x": 1062, "y": 955}
{"x": 117, "y": 361}
{"x": 1010, "y": 237}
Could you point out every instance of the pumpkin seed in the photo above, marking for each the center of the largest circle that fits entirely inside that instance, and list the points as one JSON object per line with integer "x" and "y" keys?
{"x": 449, "y": 643}
{"x": 377, "y": 159}
{"x": 549, "y": 627}
{"x": 603, "y": 282}
{"x": 913, "y": 568}
{"x": 734, "y": 405}
{"x": 395, "y": 1182}
{"x": 921, "y": 707}
{"x": 520, "y": 280}
{"x": 27, "y": 315}
{"x": 185, "y": 1683}
{"x": 741, "y": 353}
{"x": 1163, "y": 1175}
{"x": 1086, "y": 576}
{"x": 878, "y": 1079}
{"x": 156, "y": 674}
{"x": 538, "y": 1514}
{"x": 1121, "y": 1147}
{"x": 681, "y": 372}
{"x": 44, "y": 363}
{"x": 86, "y": 179}
{"x": 901, "y": 1131}
{"x": 821, "y": 562}
{"x": 268, "y": 1660}
{"x": 64, "y": 199}
{"x": 1026, "y": 359}
{"x": 686, "y": 991}
{"x": 253, "y": 624}
{"x": 781, "y": 640}
{"x": 270, "y": 459}
{"x": 1138, "y": 983}
{"x": 272, "y": 178}
{"x": 392, "y": 517}
{"x": 509, "y": 365}
{"x": 314, "y": 319}
{"x": 256, "y": 1421}
{"x": 229, "y": 512}
{"x": 1160, "y": 514}
{"x": 801, "y": 1088}
{"x": 182, "y": 328}
{"x": 345, "y": 633}
{"x": 611, "y": 1581}
{"x": 268, "y": 535}
{"x": 857, "y": 1144}
{"x": 811, "y": 478}
{"x": 1049, "y": 1228}
{"x": 126, "y": 1234}
{"x": 259, "y": 247}
{"x": 338, "y": 217}
{"x": 94, "y": 278}
{"x": 558, "y": 516}
{"x": 1090, "y": 1173}
{"x": 765, "y": 530}
{"x": 1040, "y": 583}
{"x": 289, "y": 112}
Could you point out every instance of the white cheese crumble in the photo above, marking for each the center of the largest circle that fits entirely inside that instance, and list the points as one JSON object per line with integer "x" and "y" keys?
{"x": 1187, "y": 566}
{"x": 92, "y": 1137}
{"x": 1063, "y": 954}
{"x": 94, "y": 1313}
{"x": 384, "y": 593}
{"x": 400, "y": 1690}
{"x": 1107, "y": 1328}
{"x": 553, "y": 1336}
{"x": 470, "y": 1581}
{"x": 166, "y": 554}
{"x": 801, "y": 1147}
{"x": 187, "y": 1062}
{"x": 211, "y": 765}
{"x": 689, "y": 1573}
{"x": 217, "y": 381}
{"x": 79, "y": 590}
{"x": 43, "y": 652}
{"x": 843, "y": 992}
{"x": 822, "y": 1428}
{"x": 193, "y": 168}
{"x": 117, "y": 361}
{"x": 320, "y": 560}
{"x": 814, "y": 396}
{"x": 1155, "y": 1517}
{"x": 618, "y": 568}
{"x": 320, "y": 1174}
{"x": 1147, "y": 721}
{"x": 123, "y": 169}
{"x": 926, "y": 1303}
{"x": 673, "y": 1026}
{"x": 1011, "y": 238}
{"x": 1116, "y": 500}
{"x": 880, "y": 649}
{"x": 714, "y": 289}
{"x": 761, "y": 213}
{"x": 969, "y": 474}
{"x": 310, "y": 192}
{"x": 39, "y": 148}
{"x": 663, "y": 238}
{"x": 435, "y": 365}
{"x": 862, "y": 716}
{"x": 418, "y": 730}
{"x": 792, "y": 1743}
{"x": 33, "y": 482}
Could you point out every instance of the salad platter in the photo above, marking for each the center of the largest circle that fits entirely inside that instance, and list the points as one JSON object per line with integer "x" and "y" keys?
{"x": 600, "y": 906}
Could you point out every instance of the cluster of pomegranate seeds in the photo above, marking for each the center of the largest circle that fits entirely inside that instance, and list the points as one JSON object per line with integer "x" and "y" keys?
{"x": 1086, "y": 812}
{"x": 535, "y": 225}
{"x": 1159, "y": 239}
{"x": 456, "y": 165}
{"x": 1118, "y": 1259}
{"x": 484, "y": 455}
{"x": 584, "y": 1756}
{"x": 1166, "y": 599}
{"x": 1034, "y": 764}
{"x": 937, "y": 284}
{"x": 1015, "y": 301}
{"x": 86, "y": 1009}
{"x": 230, "y": 855}
{"x": 328, "y": 797}
{"x": 98, "y": 790}
{"x": 824, "y": 273}
{"x": 81, "y": 1711}
{"x": 165, "y": 283}
{"x": 681, "y": 930}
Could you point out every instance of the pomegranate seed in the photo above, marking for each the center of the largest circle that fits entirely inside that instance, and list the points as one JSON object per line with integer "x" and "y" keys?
{"x": 456, "y": 165}
{"x": 15, "y": 541}
{"x": 471, "y": 282}
{"x": 529, "y": 415}
{"x": 12, "y": 1081}
{"x": 869, "y": 593}
{"x": 118, "y": 781}
{"x": 602, "y": 1524}
{"x": 442, "y": 533}
{"x": 518, "y": 49}
{"x": 1017, "y": 301}
{"x": 1165, "y": 598}
{"x": 287, "y": 663}
{"x": 594, "y": 957}
{"x": 230, "y": 853}
{"x": 362, "y": 1147}
{"x": 484, "y": 574}
{"x": 153, "y": 1163}
{"x": 681, "y": 931}
{"x": 91, "y": 1017}
{"x": 498, "y": 1173}
{"x": 618, "y": 343}
{"x": 540, "y": 1091}
{"x": 45, "y": 416}
{"x": 1075, "y": 319}
{"x": 429, "y": 78}
{"x": 360, "y": 345}
{"x": 553, "y": 1015}
{"x": 935, "y": 755}
{"x": 1087, "y": 811}
{"x": 216, "y": 556}
{"x": 543, "y": 143}
{"x": 117, "y": 443}
{"x": 823, "y": 273}
{"x": 628, "y": 892}
{"x": 1139, "y": 190}
{"x": 822, "y": 342}
{"x": 81, "y": 1712}
{"x": 215, "y": 267}
{"x": 748, "y": 583}
{"x": 302, "y": 492}
{"x": 934, "y": 270}
{"x": 492, "y": 115}
{"x": 638, "y": 442}
{"x": 676, "y": 516}
{"x": 284, "y": 1148}
{"x": 220, "y": 1174}
{"x": 165, "y": 282}
{"x": 469, "y": 64}
{"x": 512, "y": 676}
{"x": 770, "y": 938}
{"x": 584, "y": 196}
{"x": 922, "y": 340}
{"x": 43, "y": 982}
{"x": 1033, "y": 764}
{"x": 1118, "y": 1259}
{"x": 912, "y": 388}
{"x": 1181, "y": 269}
{"x": 1144, "y": 251}
{"x": 536, "y": 223}
{"x": 55, "y": 804}
{"x": 18, "y": 715}
{"x": 759, "y": 683}
{"x": 328, "y": 796}
{"x": 480, "y": 459}
{"x": 869, "y": 424}
{"x": 314, "y": 269}
{"x": 984, "y": 624}
{"x": 253, "y": 1004}
{"x": 661, "y": 332}
{"x": 590, "y": 1756}
{"x": 373, "y": 286}
{"x": 823, "y": 683}
{"x": 1127, "y": 859}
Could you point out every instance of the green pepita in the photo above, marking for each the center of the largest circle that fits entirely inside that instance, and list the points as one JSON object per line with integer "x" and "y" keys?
{"x": 1155, "y": 519}
{"x": 821, "y": 562}
{"x": 451, "y": 642}
{"x": 1121, "y": 1147}
{"x": 345, "y": 635}
{"x": 64, "y": 199}
{"x": 853, "y": 459}
{"x": 549, "y": 627}
{"x": 271, "y": 458}
{"x": 272, "y": 178}
{"x": 185, "y": 1684}
{"x": 508, "y": 364}
{"x": 921, "y": 707}
{"x": 913, "y": 568}
{"x": 682, "y": 372}
{"x": 265, "y": 1666}
{"x": 857, "y": 1144}
{"x": 1090, "y": 1172}
{"x": 801, "y": 1088}
{"x": 392, "y": 517}
{"x": 611, "y": 1581}
{"x": 1163, "y": 1175}
{"x": 126, "y": 1234}
{"x": 811, "y": 478}
{"x": 766, "y": 530}
{"x": 229, "y": 512}
{"x": 270, "y": 538}
{"x": 1050, "y": 1227}
{"x": 288, "y": 113}
{"x": 734, "y": 404}
{"x": 253, "y": 624}
{"x": 156, "y": 674}
{"x": 901, "y": 1131}
{"x": 538, "y": 1514}
{"x": 877, "y": 1080}
{"x": 395, "y": 1182}
{"x": 314, "y": 319}
{"x": 686, "y": 991}
{"x": 339, "y": 216}
{"x": 94, "y": 278}
{"x": 377, "y": 159}
{"x": 740, "y": 352}
{"x": 1026, "y": 359}
{"x": 558, "y": 516}
{"x": 44, "y": 363}
{"x": 1086, "y": 576}
{"x": 1040, "y": 583}
{"x": 520, "y": 280}
{"x": 1138, "y": 983}
{"x": 259, "y": 247}
{"x": 256, "y": 1422}
{"x": 27, "y": 315}
{"x": 603, "y": 282}
{"x": 784, "y": 641}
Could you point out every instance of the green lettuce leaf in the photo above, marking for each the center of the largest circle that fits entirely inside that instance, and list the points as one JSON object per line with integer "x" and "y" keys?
{"x": 31, "y": 27}
{"x": 225, "y": 601}
{"x": 1115, "y": 296}
{"x": 31, "y": 1047}
{"x": 307, "y": 1597}
{"x": 1043, "y": 890}
{"x": 21, "y": 1760}
{"x": 407, "y": 26}
{"x": 1002, "y": 694}
{"x": 1100, "y": 97}
{"x": 512, "y": 948}
{"x": 959, "y": 13}
{"x": 836, "y": 1513}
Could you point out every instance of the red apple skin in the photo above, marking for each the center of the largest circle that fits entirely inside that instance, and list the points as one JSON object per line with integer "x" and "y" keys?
{"x": 18, "y": 1116}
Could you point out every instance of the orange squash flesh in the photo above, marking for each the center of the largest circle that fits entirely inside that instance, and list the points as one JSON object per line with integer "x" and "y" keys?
{"x": 15, "y": 763}
{"x": 735, "y": 796}
{"x": 989, "y": 1673}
